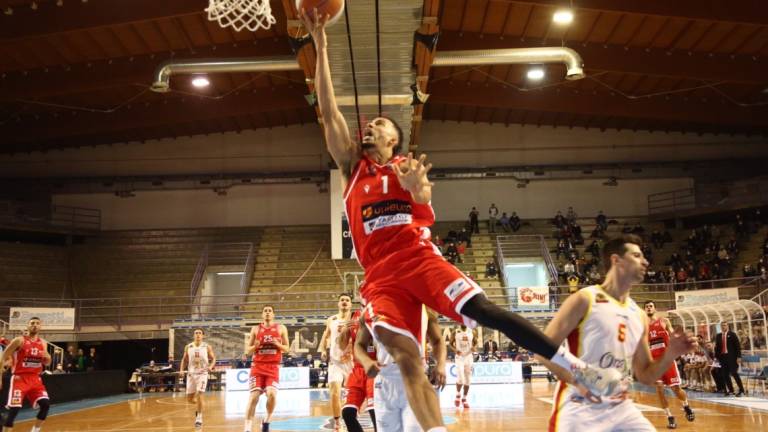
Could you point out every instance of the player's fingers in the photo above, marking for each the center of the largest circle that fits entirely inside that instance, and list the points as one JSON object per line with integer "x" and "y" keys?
{"x": 422, "y": 158}
{"x": 427, "y": 167}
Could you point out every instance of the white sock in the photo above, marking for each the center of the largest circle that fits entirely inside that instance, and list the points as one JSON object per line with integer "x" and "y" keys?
{"x": 248, "y": 424}
{"x": 35, "y": 429}
{"x": 566, "y": 360}
{"x": 438, "y": 429}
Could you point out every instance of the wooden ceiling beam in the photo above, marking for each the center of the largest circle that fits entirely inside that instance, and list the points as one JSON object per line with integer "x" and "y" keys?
{"x": 738, "y": 11}
{"x": 116, "y": 72}
{"x": 629, "y": 60}
{"x": 157, "y": 114}
{"x": 673, "y": 110}
{"x": 76, "y": 15}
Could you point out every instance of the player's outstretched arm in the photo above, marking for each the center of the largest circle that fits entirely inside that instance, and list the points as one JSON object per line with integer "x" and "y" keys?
{"x": 362, "y": 341}
{"x": 343, "y": 149}
{"x": 439, "y": 350}
{"x": 647, "y": 370}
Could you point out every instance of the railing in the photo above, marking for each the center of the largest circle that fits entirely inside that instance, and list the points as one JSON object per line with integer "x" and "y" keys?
{"x": 245, "y": 281}
{"x": 202, "y": 264}
{"x": 119, "y": 312}
{"x": 59, "y": 216}
{"x": 671, "y": 201}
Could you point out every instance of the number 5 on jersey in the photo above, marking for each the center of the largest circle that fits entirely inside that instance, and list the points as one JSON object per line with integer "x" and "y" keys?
{"x": 622, "y": 332}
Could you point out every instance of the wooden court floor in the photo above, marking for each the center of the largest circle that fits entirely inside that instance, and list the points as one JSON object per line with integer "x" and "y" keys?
{"x": 520, "y": 407}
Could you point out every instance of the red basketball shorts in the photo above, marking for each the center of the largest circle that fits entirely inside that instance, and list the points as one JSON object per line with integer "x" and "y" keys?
{"x": 359, "y": 389}
{"x": 264, "y": 375}
{"x": 26, "y": 386}
{"x": 396, "y": 287}
{"x": 671, "y": 377}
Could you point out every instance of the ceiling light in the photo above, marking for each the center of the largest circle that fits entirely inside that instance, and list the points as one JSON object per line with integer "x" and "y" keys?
{"x": 536, "y": 73}
{"x": 201, "y": 82}
{"x": 563, "y": 16}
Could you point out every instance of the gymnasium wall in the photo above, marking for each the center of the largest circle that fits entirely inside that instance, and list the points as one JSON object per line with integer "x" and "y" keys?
{"x": 448, "y": 144}
{"x": 304, "y": 204}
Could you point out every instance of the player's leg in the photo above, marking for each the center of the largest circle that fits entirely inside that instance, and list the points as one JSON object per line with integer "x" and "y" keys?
{"x": 421, "y": 396}
{"x": 44, "y": 405}
{"x": 335, "y": 380}
{"x": 10, "y": 418}
{"x": 626, "y": 417}
{"x": 661, "y": 391}
{"x": 271, "y": 402}
{"x": 202, "y": 384}
{"x": 467, "y": 379}
{"x": 355, "y": 399}
{"x": 459, "y": 380}
{"x": 683, "y": 397}
{"x": 385, "y": 399}
{"x": 256, "y": 388}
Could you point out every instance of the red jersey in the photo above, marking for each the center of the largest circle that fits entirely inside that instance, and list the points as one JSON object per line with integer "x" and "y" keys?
{"x": 28, "y": 359}
{"x": 383, "y": 218}
{"x": 658, "y": 337}
{"x": 267, "y": 351}
{"x": 353, "y": 329}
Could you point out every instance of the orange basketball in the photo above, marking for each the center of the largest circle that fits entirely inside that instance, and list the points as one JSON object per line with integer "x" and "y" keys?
{"x": 334, "y": 8}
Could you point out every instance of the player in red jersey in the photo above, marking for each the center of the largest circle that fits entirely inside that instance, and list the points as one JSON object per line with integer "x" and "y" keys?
{"x": 267, "y": 343}
{"x": 659, "y": 330}
{"x": 387, "y": 201}
{"x": 30, "y": 354}
{"x": 359, "y": 385}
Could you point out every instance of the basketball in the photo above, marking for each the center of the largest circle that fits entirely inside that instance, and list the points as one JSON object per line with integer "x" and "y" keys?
{"x": 334, "y": 8}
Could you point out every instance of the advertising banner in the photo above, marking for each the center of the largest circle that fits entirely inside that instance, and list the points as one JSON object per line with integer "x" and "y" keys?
{"x": 489, "y": 373}
{"x": 51, "y": 318}
{"x": 536, "y": 297}
{"x": 688, "y": 299}
{"x": 290, "y": 378}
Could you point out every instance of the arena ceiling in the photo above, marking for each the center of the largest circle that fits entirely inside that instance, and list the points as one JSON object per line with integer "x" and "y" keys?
{"x": 76, "y": 73}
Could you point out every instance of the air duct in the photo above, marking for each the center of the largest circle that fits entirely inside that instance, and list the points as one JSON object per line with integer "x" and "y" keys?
{"x": 567, "y": 56}
{"x": 161, "y": 83}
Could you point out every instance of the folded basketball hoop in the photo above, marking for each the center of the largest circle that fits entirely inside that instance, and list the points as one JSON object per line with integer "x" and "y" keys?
{"x": 241, "y": 14}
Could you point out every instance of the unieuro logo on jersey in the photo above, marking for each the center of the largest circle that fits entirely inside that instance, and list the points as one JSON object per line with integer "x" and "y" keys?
{"x": 385, "y": 214}
{"x": 489, "y": 373}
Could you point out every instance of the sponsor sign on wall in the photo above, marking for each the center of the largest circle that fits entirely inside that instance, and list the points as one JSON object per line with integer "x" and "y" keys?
{"x": 533, "y": 297}
{"x": 51, "y": 318}
{"x": 688, "y": 299}
{"x": 290, "y": 378}
{"x": 489, "y": 373}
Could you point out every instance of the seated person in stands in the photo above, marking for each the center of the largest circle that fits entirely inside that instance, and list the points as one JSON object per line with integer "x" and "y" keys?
{"x": 626, "y": 229}
{"x": 647, "y": 252}
{"x": 461, "y": 248}
{"x": 732, "y": 247}
{"x": 571, "y": 215}
{"x": 749, "y": 271}
{"x": 593, "y": 249}
{"x": 558, "y": 220}
{"x": 451, "y": 237}
{"x": 514, "y": 222}
{"x": 601, "y": 221}
{"x": 576, "y": 232}
{"x": 504, "y": 221}
{"x": 308, "y": 361}
{"x": 289, "y": 360}
{"x": 244, "y": 362}
{"x": 491, "y": 271}
{"x": 656, "y": 239}
{"x": 465, "y": 236}
{"x": 451, "y": 253}
{"x": 439, "y": 243}
{"x": 598, "y": 232}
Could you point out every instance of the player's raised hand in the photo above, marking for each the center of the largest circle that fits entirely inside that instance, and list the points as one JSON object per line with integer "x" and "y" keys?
{"x": 315, "y": 25}
{"x": 412, "y": 174}
{"x": 682, "y": 342}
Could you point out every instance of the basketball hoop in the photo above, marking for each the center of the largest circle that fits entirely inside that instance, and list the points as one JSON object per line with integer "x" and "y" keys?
{"x": 241, "y": 14}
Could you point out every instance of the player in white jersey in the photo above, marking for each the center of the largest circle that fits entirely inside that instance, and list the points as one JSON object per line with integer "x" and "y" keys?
{"x": 608, "y": 330}
{"x": 463, "y": 343}
{"x": 339, "y": 361}
{"x": 198, "y": 360}
{"x": 393, "y": 413}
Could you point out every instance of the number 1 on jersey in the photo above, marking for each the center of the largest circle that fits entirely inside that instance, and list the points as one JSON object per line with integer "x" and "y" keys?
{"x": 385, "y": 186}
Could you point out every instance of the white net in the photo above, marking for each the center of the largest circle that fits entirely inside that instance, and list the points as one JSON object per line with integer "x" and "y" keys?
{"x": 241, "y": 14}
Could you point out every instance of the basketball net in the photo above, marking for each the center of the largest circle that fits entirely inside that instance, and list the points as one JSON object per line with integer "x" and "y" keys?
{"x": 241, "y": 14}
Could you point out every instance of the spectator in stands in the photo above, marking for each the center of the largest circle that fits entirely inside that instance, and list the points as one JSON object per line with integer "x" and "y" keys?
{"x": 491, "y": 350}
{"x": 461, "y": 248}
{"x": 504, "y": 221}
{"x": 598, "y": 232}
{"x": 59, "y": 369}
{"x": 69, "y": 362}
{"x": 740, "y": 227}
{"x": 571, "y": 215}
{"x": 491, "y": 271}
{"x": 308, "y": 361}
{"x": 760, "y": 266}
{"x": 732, "y": 247}
{"x": 92, "y": 362}
{"x": 451, "y": 237}
{"x": 80, "y": 361}
{"x": 558, "y": 220}
{"x": 593, "y": 276}
{"x": 451, "y": 253}
{"x": 514, "y": 221}
{"x": 289, "y": 360}
{"x": 648, "y": 252}
{"x": 666, "y": 237}
{"x": 474, "y": 224}
{"x": 439, "y": 243}
{"x": 562, "y": 248}
{"x": 243, "y": 363}
{"x": 576, "y": 233}
{"x": 657, "y": 239}
{"x": 749, "y": 271}
{"x": 638, "y": 229}
{"x": 465, "y": 236}
{"x": 601, "y": 221}
{"x": 723, "y": 257}
{"x": 593, "y": 249}
{"x": 493, "y": 214}
{"x": 704, "y": 272}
